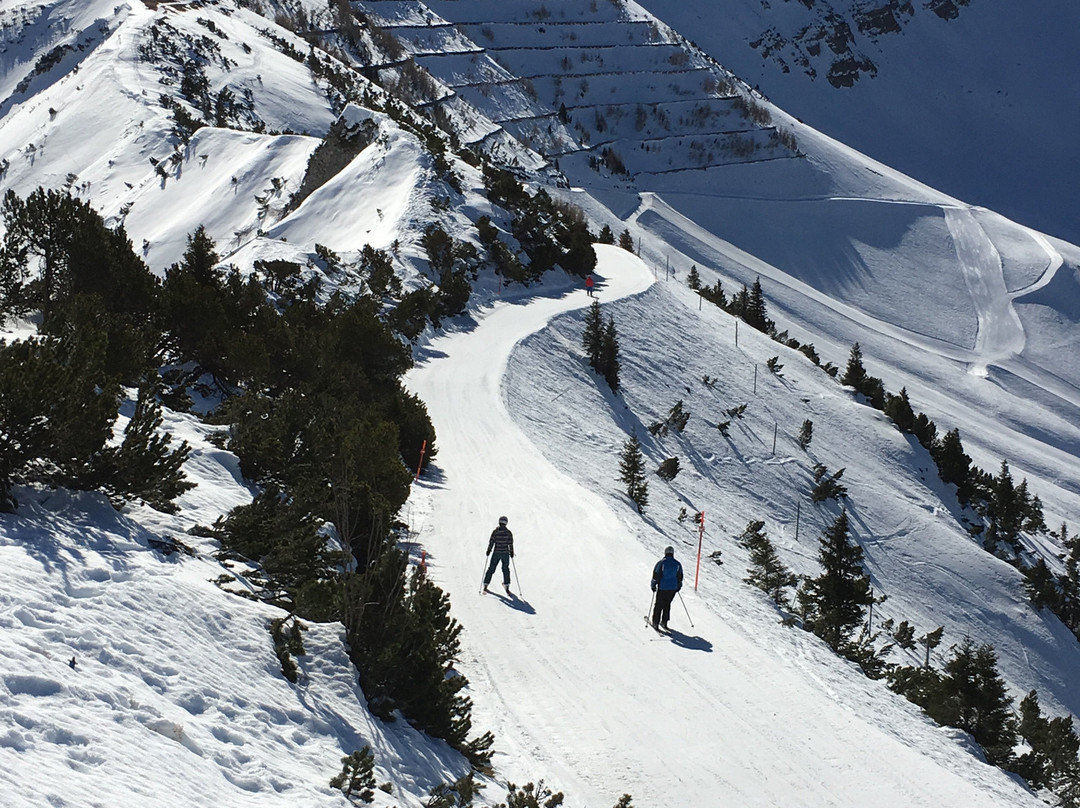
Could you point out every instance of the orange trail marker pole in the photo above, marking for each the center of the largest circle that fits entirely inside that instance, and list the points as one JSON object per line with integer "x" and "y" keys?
{"x": 700, "y": 537}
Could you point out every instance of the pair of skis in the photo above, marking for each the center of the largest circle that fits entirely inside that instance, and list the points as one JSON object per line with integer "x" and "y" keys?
{"x": 661, "y": 630}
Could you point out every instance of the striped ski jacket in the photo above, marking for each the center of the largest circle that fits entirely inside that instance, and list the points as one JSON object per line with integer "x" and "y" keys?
{"x": 502, "y": 541}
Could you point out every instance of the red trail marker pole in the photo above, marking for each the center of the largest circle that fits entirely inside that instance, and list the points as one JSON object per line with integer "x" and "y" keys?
{"x": 700, "y": 537}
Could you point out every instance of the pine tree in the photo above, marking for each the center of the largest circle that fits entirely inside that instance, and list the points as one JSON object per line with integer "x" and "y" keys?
{"x": 592, "y": 338}
{"x": 854, "y": 373}
{"x": 357, "y": 777}
{"x": 806, "y": 434}
{"x": 693, "y": 278}
{"x": 1010, "y": 510}
{"x": 632, "y": 473}
{"x": 834, "y": 602}
{"x": 458, "y": 794}
{"x": 1052, "y": 760}
{"x": 531, "y": 796}
{"x": 972, "y": 697}
{"x": 609, "y": 355}
{"x": 83, "y": 272}
{"x": 606, "y": 236}
{"x": 768, "y": 573}
{"x": 826, "y": 486}
{"x": 54, "y": 414}
{"x": 626, "y": 241}
{"x": 57, "y": 410}
{"x": 1042, "y": 587}
{"x": 898, "y": 408}
{"x": 954, "y": 466}
{"x": 754, "y": 313}
{"x": 738, "y": 303}
{"x": 145, "y": 466}
{"x": 1070, "y": 582}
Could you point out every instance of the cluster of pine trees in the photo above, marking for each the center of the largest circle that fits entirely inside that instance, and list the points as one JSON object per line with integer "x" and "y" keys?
{"x": 312, "y": 398}
{"x": 967, "y": 692}
{"x": 1005, "y": 509}
{"x": 601, "y": 343}
{"x": 62, "y": 392}
{"x": 550, "y": 232}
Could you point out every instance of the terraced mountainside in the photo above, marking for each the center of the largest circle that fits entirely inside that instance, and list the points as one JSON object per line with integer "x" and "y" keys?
{"x": 590, "y": 86}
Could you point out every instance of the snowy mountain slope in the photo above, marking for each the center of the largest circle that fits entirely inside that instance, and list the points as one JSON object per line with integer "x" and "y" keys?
{"x": 861, "y": 240}
{"x": 980, "y": 105}
{"x": 917, "y": 548}
{"x": 175, "y": 696}
{"x": 736, "y": 708}
{"x": 973, "y": 313}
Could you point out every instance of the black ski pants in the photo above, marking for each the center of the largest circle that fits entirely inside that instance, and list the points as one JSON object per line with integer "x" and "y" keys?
{"x": 661, "y": 612}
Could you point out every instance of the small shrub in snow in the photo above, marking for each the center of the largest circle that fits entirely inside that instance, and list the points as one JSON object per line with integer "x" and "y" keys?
{"x": 357, "y": 778}
{"x": 668, "y": 469}
{"x": 826, "y": 486}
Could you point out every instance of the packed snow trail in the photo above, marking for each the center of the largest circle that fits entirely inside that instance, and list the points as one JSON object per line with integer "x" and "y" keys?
{"x": 578, "y": 692}
{"x": 1000, "y": 335}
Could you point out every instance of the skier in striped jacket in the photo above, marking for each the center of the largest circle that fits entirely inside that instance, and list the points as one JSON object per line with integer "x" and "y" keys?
{"x": 501, "y": 549}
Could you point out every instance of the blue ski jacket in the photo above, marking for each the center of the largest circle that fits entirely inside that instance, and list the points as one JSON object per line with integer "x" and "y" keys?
{"x": 667, "y": 575}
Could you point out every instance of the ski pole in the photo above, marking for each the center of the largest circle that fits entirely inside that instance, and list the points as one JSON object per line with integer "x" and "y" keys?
{"x": 683, "y": 602}
{"x": 483, "y": 575}
{"x": 516, "y": 577}
{"x": 648, "y": 614}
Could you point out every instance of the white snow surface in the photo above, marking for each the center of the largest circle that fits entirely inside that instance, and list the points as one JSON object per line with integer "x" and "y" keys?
{"x": 176, "y": 697}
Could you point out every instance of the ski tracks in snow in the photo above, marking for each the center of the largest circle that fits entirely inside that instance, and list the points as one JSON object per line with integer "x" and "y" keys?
{"x": 1000, "y": 335}
{"x": 1001, "y": 338}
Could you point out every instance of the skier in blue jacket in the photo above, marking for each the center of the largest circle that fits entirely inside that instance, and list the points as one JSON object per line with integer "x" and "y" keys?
{"x": 666, "y": 581}
{"x": 501, "y": 549}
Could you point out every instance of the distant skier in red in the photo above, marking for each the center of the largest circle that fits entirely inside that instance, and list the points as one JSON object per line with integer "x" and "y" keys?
{"x": 589, "y": 284}
{"x": 501, "y": 549}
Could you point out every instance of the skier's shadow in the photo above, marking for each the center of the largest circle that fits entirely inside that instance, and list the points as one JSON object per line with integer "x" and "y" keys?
{"x": 692, "y": 643}
{"x": 514, "y": 602}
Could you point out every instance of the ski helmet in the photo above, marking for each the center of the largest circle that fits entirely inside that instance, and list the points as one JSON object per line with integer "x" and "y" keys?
{"x": 503, "y": 520}
{"x": 669, "y": 550}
